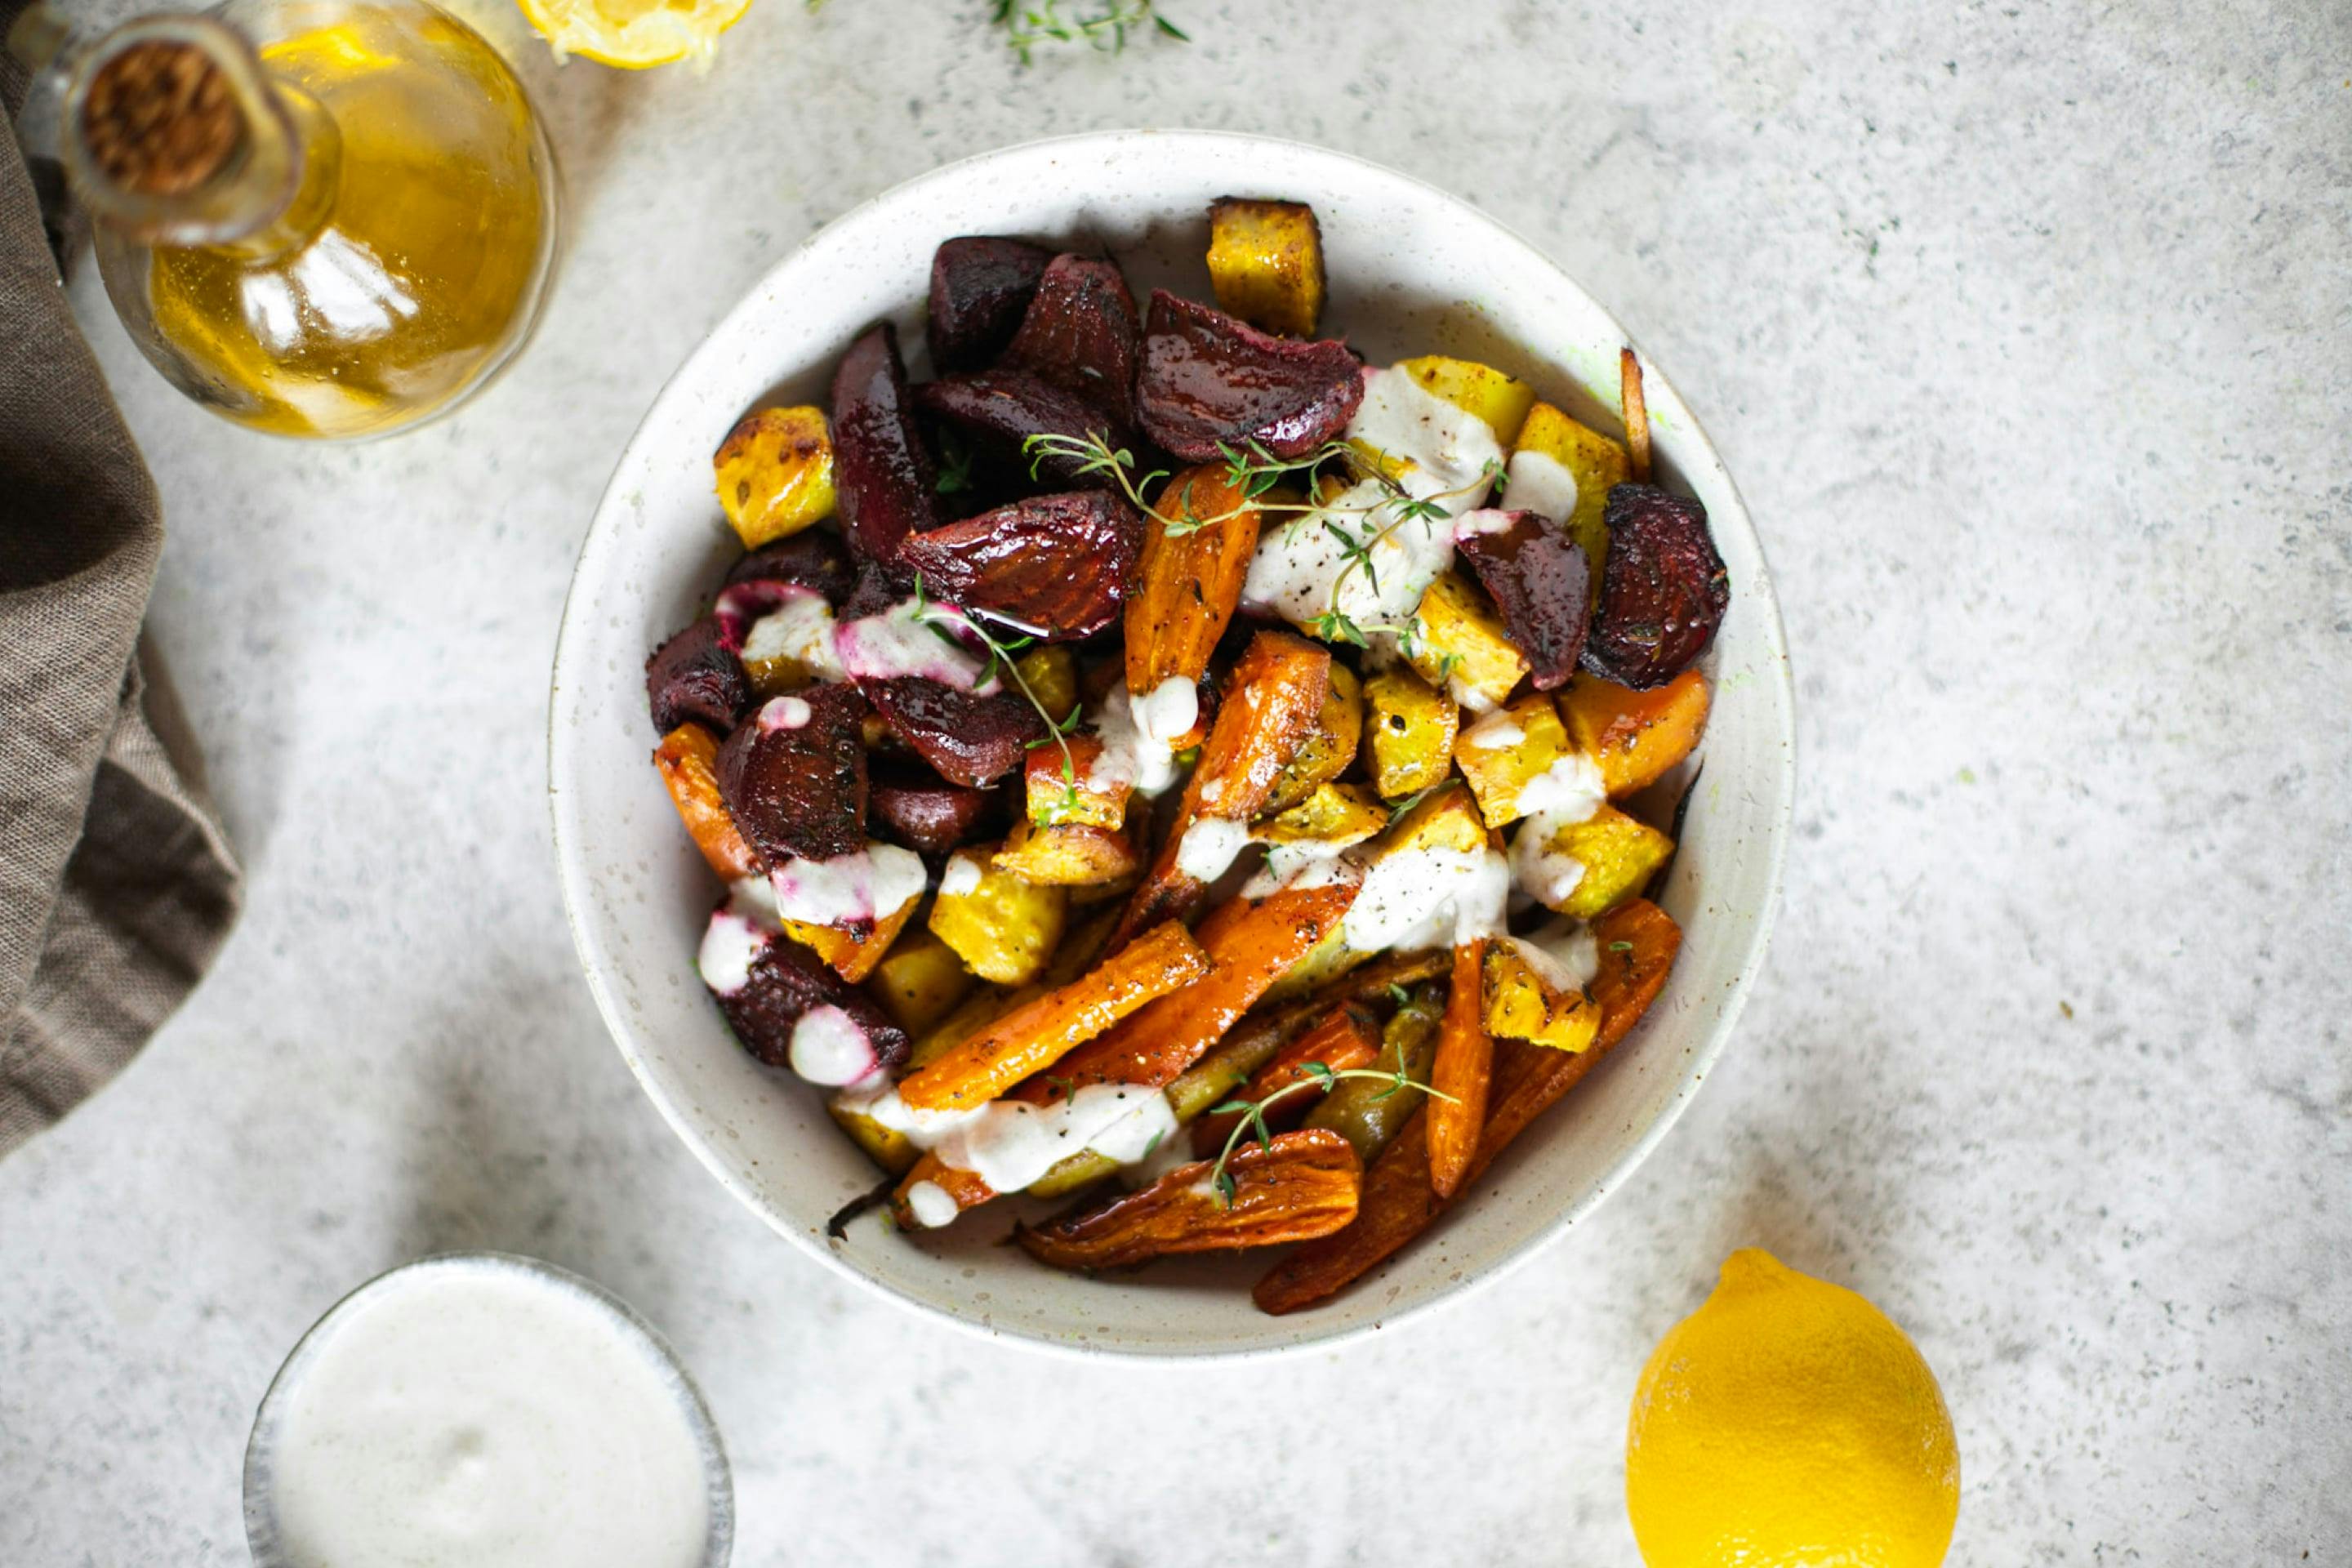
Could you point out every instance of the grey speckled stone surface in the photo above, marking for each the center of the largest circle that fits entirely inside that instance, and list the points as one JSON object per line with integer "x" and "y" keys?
{"x": 2026, "y": 332}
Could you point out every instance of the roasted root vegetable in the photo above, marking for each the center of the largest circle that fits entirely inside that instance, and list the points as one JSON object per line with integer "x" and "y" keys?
{"x": 1300, "y": 1186}
{"x": 1459, "y": 644}
{"x": 885, "y": 484}
{"x": 1585, "y": 869}
{"x": 1190, "y": 580}
{"x": 1080, "y": 333}
{"x": 789, "y": 1010}
{"x": 1069, "y": 855}
{"x": 1273, "y": 696}
{"x": 1409, "y": 732}
{"x": 1247, "y": 951}
{"x": 794, "y": 776}
{"x": 1067, "y": 786}
{"x": 1636, "y": 738}
{"x": 775, "y": 473}
{"x": 1033, "y": 1038}
{"x": 687, "y": 758}
{"x": 816, "y": 562}
{"x": 1054, "y": 567}
{"x": 1209, "y": 382}
{"x": 1592, "y": 462}
{"x": 1663, "y": 592}
{"x": 919, "y": 980}
{"x": 1003, "y": 928}
{"x": 854, "y": 951}
{"x": 912, "y": 805}
{"x": 969, "y": 738}
{"x": 980, "y": 287}
{"x": 1369, "y": 1111}
{"x": 1334, "y": 815}
{"x": 1398, "y": 1202}
{"x": 1329, "y": 746}
{"x": 1048, "y": 673}
{"x": 1459, "y": 1073}
{"x": 1541, "y": 583}
{"x": 1265, "y": 264}
{"x": 1501, "y": 400}
{"x": 697, "y": 675}
{"x": 1347, "y": 1038}
{"x": 1001, "y": 410}
{"x": 1529, "y": 998}
{"x": 1509, "y": 757}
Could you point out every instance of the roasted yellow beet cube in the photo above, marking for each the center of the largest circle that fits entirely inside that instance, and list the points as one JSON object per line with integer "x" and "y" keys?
{"x": 1506, "y": 751}
{"x": 1003, "y": 928}
{"x": 854, "y": 957}
{"x": 1409, "y": 728}
{"x": 1069, "y": 787}
{"x": 1051, "y": 674}
{"x": 1593, "y": 461}
{"x": 919, "y": 980}
{"x": 775, "y": 473}
{"x": 1330, "y": 744}
{"x": 1502, "y": 401}
{"x": 1635, "y": 737}
{"x": 1523, "y": 1003}
{"x": 1444, "y": 818}
{"x": 1266, "y": 263}
{"x": 1459, "y": 645}
{"x": 887, "y": 1147}
{"x": 1335, "y": 814}
{"x": 1618, "y": 854}
{"x": 1069, "y": 854}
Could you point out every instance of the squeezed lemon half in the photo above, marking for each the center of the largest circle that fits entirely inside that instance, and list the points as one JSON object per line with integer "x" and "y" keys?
{"x": 1789, "y": 1424}
{"x": 635, "y": 34}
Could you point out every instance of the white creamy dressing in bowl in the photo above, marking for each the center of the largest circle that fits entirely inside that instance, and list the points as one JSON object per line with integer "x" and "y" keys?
{"x": 483, "y": 1411}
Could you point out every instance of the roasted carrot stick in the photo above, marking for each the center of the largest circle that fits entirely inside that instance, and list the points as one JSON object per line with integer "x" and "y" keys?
{"x": 1248, "y": 951}
{"x": 1031, "y": 1038}
{"x": 687, "y": 758}
{"x": 1189, "y": 582}
{"x": 1346, "y": 1039}
{"x": 1271, "y": 701}
{"x": 1464, "y": 1065}
{"x": 1636, "y": 409}
{"x": 1303, "y": 1185}
{"x": 1638, "y": 942}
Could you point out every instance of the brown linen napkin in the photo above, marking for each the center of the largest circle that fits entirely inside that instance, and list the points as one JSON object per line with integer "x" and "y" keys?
{"x": 116, "y": 882}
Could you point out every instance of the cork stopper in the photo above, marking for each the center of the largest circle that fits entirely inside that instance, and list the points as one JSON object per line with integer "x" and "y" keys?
{"x": 161, "y": 119}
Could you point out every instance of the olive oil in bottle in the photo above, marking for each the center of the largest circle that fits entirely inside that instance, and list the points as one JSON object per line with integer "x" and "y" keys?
{"x": 328, "y": 219}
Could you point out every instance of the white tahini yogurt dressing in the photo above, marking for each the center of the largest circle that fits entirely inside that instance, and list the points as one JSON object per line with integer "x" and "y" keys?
{"x": 1428, "y": 898}
{"x": 897, "y": 642}
{"x": 1009, "y": 1144}
{"x": 1563, "y": 952}
{"x": 867, "y": 884}
{"x": 1137, "y": 735}
{"x": 828, "y": 1047}
{"x": 1567, "y": 793}
{"x": 1444, "y": 448}
{"x": 1210, "y": 847}
{"x": 483, "y": 1419}
{"x": 1539, "y": 482}
{"x": 800, "y": 630}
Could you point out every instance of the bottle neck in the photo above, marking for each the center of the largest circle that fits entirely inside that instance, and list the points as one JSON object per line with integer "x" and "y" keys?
{"x": 176, "y": 135}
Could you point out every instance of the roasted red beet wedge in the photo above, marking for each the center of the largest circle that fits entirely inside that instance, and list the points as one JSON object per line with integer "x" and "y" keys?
{"x": 1003, "y": 408}
{"x": 1540, "y": 579}
{"x": 697, "y": 675}
{"x": 1056, "y": 567}
{"x": 811, "y": 559}
{"x": 1662, "y": 590}
{"x": 916, "y": 808}
{"x": 1209, "y": 380}
{"x": 784, "y": 984}
{"x": 793, "y": 775}
{"x": 882, "y": 472}
{"x": 967, "y": 739}
{"x": 1081, "y": 333}
{"x": 980, "y": 287}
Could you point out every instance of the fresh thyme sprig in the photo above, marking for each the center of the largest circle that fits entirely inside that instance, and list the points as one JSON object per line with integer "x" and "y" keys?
{"x": 1001, "y": 653}
{"x": 1318, "y": 1076}
{"x": 1027, "y": 25}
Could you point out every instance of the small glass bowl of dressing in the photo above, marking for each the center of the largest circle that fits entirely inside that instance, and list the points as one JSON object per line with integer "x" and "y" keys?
{"x": 489, "y": 1410}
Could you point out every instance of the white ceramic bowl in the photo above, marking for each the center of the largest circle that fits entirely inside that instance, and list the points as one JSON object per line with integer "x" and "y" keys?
{"x": 1413, "y": 270}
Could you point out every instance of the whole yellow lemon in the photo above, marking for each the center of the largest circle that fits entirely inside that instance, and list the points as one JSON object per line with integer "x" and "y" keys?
{"x": 1789, "y": 1424}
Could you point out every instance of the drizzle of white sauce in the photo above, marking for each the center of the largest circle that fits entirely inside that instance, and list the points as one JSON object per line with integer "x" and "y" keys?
{"x": 1570, "y": 790}
{"x": 1304, "y": 863}
{"x": 1167, "y": 711}
{"x": 1135, "y": 756}
{"x": 1563, "y": 952}
{"x": 1493, "y": 733}
{"x": 1210, "y": 845}
{"x": 1485, "y": 520}
{"x": 1539, "y": 482}
{"x": 828, "y": 1048}
{"x": 1428, "y": 898}
{"x": 1009, "y": 1143}
{"x": 896, "y": 643}
{"x": 863, "y": 885}
{"x": 731, "y": 945}
{"x": 784, "y": 713}
{"x": 1546, "y": 875}
{"x": 932, "y": 1206}
{"x": 800, "y": 630}
{"x": 962, "y": 876}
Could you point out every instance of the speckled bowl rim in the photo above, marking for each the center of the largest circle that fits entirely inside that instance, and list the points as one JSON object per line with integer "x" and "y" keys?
{"x": 1700, "y": 1055}
{"x": 260, "y": 1449}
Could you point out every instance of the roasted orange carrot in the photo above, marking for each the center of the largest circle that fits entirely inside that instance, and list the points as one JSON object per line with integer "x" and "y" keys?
{"x": 1459, "y": 1077}
{"x": 1248, "y": 951}
{"x": 1347, "y": 1037}
{"x": 1302, "y": 1185}
{"x": 1031, "y": 1038}
{"x": 1189, "y": 582}
{"x": 687, "y": 758}
{"x": 1271, "y": 699}
{"x": 1638, "y": 942}
{"x": 962, "y": 1188}
{"x": 1636, "y": 409}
